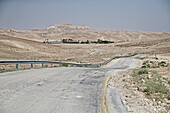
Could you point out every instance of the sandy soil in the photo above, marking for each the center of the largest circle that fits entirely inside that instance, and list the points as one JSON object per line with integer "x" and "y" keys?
{"x": 134, "y": 100}
{"x": 18, "y": 48}
{"x": 27, "y": 44}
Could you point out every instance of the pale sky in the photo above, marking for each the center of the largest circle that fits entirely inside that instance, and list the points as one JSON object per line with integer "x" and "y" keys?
{"x": 136, "y": 15}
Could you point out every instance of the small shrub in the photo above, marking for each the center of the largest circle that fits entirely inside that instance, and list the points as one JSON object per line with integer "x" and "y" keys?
{"x": 163, "y": 65}
{"x": 153, "y": 87}
{"x": 143, "y": 66}
{"x": 142, "y": 71}
{"x": 147, "y": 91}
{"x": 46, "y": 66}
{"x": 148, "y": 66}
{"x": 151, "y": 62}
{"x": 7, "y": 70}
{"x": 141, "y": 58}
{"x": 154, "y": 66}
{"x": 145, "y": 62}
{"x": 80, "y": 65}
{"x": 163, "y": 62}
{"x": 65, "y": 65}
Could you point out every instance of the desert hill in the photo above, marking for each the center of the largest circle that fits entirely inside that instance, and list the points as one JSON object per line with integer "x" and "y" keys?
{"x": 27, "y": 44}
{"x": 83, "y": 33}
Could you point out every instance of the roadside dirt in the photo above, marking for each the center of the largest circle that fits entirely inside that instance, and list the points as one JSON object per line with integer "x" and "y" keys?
{"x": 133, "y": 97}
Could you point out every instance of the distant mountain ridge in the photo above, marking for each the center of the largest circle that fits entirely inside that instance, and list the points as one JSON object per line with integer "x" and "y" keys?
{"x": 82, "y": 32}
{"x": 68, "y": 26}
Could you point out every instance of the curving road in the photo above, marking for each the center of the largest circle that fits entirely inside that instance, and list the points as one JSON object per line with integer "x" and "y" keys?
{"x": 56, "y": 90}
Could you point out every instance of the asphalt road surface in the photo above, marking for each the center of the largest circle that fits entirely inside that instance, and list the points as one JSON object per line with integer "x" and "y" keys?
{"x": 56, "y": 90}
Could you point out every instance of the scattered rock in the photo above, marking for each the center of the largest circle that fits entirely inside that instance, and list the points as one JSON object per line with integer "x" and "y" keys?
{"x": 168, "y": 101}
{"x": 159, "y": 103}
{"x": 135, "y": 89}
{"x": 134, "y": 98}
{"x": 149, "y": 76}
{"x": 154, "y": 109}
{"x": 163, "y": 104}
{"x": 143, "y": 81}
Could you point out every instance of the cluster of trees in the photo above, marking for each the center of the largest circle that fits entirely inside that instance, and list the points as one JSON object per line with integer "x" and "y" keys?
{"x": 70, "y": 41}
{"x": 99, "y": 41}
{"x": 46, "y": 41}
{"x": 51, "y": 42}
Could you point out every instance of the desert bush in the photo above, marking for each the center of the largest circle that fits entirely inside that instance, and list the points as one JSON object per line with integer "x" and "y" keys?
{"x": 162, "y": 62}
{"x": 46, "y": 66}
{"x": 65, "y": 65}
{"x": 154, "y": 66}
{"x": 145, "y": 62}
{"x": 148, "y": 66}
{"x": 7, "y": 70}
{"x": 151, "y": 62}
{"x": 123, "y": 80}
{"x": 142, "y": 71}
{"x": 143, "y": 66}
{"x": 153, "y": 87}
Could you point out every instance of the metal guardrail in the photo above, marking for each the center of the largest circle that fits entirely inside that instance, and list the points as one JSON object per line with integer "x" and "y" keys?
{"x": 62, "y": 63}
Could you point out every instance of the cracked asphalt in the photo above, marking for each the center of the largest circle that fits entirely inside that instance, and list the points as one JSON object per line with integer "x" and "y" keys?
{"x": 56, "y": 90}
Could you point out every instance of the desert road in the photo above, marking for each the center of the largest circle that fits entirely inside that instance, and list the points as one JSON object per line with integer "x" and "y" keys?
{"x": 56, "y": 90}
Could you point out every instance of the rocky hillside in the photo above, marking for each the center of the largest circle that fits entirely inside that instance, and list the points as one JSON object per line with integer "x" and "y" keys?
{"x": 83, "y": 33}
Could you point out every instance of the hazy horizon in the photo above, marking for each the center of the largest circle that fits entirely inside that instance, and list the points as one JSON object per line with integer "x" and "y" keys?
{"x": 129, "y": 15}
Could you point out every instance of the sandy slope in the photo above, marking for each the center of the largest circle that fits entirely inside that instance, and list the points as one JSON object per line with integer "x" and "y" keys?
{"x": 27, "y": 44}
{"x": 58, "y": 32}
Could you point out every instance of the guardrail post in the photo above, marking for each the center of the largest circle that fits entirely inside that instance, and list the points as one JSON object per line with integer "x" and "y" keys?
{"x": 16, "y": 66}
{"x": 31, "y": 65}
{"x": 42, "y": 64}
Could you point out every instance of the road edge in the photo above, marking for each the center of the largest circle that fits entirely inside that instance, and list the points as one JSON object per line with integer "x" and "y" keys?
{"x": 103, "y": 97}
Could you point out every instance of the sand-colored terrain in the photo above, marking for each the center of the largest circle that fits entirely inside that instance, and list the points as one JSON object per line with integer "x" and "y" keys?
{"x": 27, "y": 44}
{"x": 134, "y": 96}
{"x": 59, "y": 32}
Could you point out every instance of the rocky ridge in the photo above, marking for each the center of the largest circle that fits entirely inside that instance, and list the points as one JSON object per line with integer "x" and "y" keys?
{"x": 82, "y": 32}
